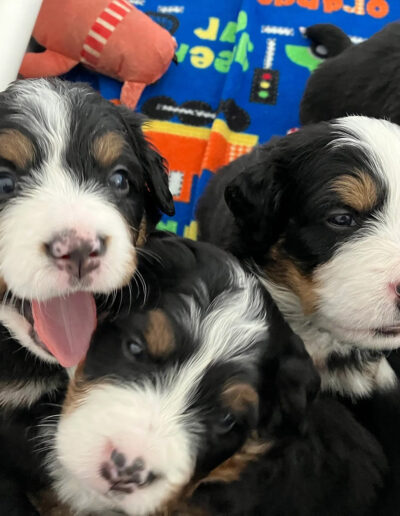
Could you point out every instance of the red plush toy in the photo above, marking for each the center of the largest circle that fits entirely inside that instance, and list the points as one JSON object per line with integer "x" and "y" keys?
{"x": 111, "y": 37}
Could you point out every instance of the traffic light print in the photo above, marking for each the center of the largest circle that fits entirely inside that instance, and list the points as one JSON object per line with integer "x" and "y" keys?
{"x": 264, "y": 87}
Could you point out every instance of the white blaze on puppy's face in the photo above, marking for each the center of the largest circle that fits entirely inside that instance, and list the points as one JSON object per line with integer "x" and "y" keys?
{"x": 141, "y": 424}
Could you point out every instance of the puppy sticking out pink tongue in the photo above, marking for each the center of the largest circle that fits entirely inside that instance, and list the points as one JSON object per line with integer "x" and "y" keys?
{"x": 65, "y": 325}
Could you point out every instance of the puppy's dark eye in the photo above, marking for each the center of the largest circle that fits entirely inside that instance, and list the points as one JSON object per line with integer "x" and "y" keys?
{"x": 134, "y": 348}
{"x": 225, "y": 423}
{"x": 7, "y": 182}
{"x": 118, "y": 181}
{"x": 342, "y": 220}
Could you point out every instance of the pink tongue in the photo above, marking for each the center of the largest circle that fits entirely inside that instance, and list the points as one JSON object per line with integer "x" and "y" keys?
{"x": 65, "y": 326}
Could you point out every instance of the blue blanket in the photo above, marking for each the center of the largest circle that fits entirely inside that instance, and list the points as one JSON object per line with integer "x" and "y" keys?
{"x": 242, "y": 68}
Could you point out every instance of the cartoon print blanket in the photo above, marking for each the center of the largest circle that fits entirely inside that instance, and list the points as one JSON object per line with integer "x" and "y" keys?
{"x": 242, "y": 68}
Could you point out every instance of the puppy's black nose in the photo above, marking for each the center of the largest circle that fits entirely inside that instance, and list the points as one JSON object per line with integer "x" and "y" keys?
{"x": 77, "y": 256}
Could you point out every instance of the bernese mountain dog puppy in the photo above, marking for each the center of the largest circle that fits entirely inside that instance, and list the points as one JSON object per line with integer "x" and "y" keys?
{"x": 80, "y": 188}
{"x": 356, "y": 79}
{"x": 197, "y": 399}
{"x": 316, "y": 215}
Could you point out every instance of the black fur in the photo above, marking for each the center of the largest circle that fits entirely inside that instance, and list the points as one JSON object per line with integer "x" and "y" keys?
{"x": 22, "y": 454}
{"x": 152, "y": 163}
{"x": 380, "y": 415}
{"x": 362, "y": 79}
{"x": 335, "y": 467}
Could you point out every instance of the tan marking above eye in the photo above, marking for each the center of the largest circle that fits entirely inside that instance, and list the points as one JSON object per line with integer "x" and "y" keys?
{"x": 107, "y": 148}
{"x": 159, "y": 334}
{"x": 16, "y": 147}
{"x": 238, "y": 396}
{"x": 358, "y": 191}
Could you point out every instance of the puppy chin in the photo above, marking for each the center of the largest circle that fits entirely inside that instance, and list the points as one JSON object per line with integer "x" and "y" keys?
{"x": 371, "y": 339}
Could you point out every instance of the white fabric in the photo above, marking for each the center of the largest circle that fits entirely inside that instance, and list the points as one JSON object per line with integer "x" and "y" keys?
{"x": 17, "y": 19}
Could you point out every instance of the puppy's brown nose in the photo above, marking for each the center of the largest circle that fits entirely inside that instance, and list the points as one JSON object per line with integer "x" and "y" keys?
{"x": 77, "y": 256}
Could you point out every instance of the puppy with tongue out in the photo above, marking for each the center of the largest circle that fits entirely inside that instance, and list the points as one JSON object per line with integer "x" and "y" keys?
{"x": 80, "y": 189}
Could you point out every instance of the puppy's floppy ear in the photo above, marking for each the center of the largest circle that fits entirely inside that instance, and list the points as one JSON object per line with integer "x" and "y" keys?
{"x": 156, "y": 175}
{"x": 154, "y": 166}
{"x": 255, "y": 199}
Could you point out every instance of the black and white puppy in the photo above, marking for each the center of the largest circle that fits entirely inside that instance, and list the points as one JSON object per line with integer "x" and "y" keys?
{"x": 317, "y": 214}
{"x": 360, "y": 79}
{"x": 79, "y": 190}
{"x": 201, "y": 386}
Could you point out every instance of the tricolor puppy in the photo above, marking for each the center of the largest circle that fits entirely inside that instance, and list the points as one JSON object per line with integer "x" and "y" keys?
{"x": 79, "y": 189}
{"x": 317, "y": 214}
{"x": 202, "y": 384}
